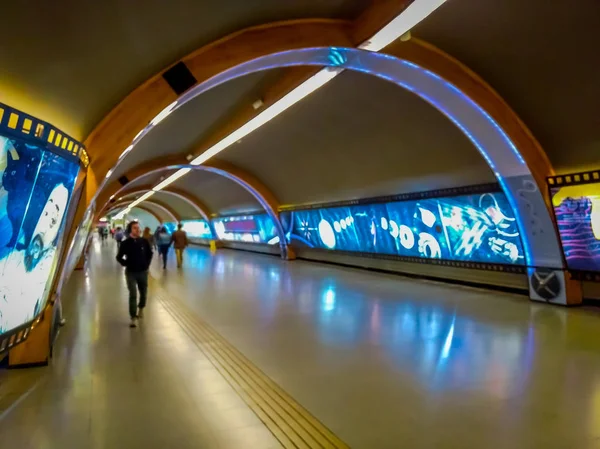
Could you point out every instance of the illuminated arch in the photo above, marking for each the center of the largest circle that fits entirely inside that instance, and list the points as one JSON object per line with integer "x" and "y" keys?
{"x": 260, "y": 192}
{"x": 494, "y": 144}
{"x": 189, "y": 199}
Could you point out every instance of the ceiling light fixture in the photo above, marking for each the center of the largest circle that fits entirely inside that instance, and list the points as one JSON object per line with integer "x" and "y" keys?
{"x": 416, "y": 12}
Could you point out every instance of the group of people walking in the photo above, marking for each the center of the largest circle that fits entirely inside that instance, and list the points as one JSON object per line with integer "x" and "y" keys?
{"x": 135, "y": 254}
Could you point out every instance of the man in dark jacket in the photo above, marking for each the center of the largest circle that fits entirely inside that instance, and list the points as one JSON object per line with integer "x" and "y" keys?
{"x": 135, "y": 254}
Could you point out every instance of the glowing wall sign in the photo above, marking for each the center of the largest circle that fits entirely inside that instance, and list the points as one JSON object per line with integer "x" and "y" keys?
{"x": 35, "y": 190}
{"x": 248, "y": 228}
{"x": 577, "y": 210}
{"x": 477, "y": 228}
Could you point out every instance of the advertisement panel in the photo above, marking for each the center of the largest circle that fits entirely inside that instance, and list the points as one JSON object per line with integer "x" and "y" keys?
{"x": 35, "y": 190}
{"x": 474, "y": 228}
{"x": 577, "y": 210}
{"x": 195, "y": 229}
{"x": 246, "y": 228}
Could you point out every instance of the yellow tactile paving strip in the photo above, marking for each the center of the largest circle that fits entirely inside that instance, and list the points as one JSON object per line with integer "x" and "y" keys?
{"x": 287, "y": 420}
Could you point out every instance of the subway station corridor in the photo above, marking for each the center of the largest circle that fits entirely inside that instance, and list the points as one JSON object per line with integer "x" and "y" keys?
{"x": 330, "y": 357}
{"x": 391, "y": 227}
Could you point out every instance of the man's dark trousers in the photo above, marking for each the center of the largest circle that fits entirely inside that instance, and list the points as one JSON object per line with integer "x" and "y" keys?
{"x": 137, "y": 280}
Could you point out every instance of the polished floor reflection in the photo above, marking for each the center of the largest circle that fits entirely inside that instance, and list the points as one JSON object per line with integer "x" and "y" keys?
{"x": 388, "y": 362}
{"x": 383, "y": 361}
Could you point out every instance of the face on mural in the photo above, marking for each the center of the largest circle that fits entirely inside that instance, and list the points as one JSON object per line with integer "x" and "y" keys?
{"x": 49, "y": 222}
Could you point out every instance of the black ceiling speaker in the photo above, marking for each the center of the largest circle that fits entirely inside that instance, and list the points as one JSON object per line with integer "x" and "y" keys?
{"x": 123, "y": 180}
{"x": 179, "y": 78}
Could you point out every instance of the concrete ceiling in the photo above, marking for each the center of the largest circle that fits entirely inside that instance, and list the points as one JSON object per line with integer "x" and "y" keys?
{"x": 541, "y": 57}
{"x": 220, "y": 195}
{"x": 71, "y": 63}
{"x": 359, "y": 136}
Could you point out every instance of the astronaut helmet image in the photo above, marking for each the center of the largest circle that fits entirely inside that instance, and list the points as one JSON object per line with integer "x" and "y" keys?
{"x": 48, "y": 225}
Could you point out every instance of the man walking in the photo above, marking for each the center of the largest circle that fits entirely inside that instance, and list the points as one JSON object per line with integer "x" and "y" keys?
{"x": 135, "y": 254}
{"x": 180, "y": 242}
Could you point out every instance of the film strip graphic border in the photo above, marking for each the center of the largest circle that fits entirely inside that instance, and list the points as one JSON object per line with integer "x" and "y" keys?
{"x": 18, "y": 335}
{"x": 574, "y": 179}
{"x": 18, "y": 124}
{"x": 589, "y": 276}
{"x": 517, "y": 269}
{"x": 571, "y": 179}
{"x": 439, "y": 193}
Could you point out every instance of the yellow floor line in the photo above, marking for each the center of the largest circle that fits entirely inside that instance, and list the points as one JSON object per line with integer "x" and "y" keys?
{"x": 289, "y": 422}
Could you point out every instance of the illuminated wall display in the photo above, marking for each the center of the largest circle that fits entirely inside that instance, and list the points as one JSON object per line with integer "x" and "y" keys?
{"x": 474, "y": 228}
{"x": 577, "y": 209}
{"x": 247, "y": 228}
{"x": 195, "y": 229}
{"x": 35, "y": 191}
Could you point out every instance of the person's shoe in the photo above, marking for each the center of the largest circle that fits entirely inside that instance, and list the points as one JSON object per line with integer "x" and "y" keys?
{"x": 62, "y": 322}
{"x": 133, "y": 322}
{"x": 140, "y": 313}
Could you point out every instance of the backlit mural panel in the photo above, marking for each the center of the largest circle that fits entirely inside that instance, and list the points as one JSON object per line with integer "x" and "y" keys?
{"x": 477, "y": 228}
{"x": 577, "y": 210}
{"x": 35, "y": 191}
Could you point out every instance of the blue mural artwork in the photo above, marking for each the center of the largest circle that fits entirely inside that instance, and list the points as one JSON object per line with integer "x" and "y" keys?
{"x": 577, "y": 210}
{"x": 35, "y": 191}
{"x": 195, "y": 229}
{"x": 247, "y": 228}
{"x": 475, "y": 228}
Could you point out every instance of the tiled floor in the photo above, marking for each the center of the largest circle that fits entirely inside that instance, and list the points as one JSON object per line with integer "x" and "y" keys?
{"x": 383, "y": 361}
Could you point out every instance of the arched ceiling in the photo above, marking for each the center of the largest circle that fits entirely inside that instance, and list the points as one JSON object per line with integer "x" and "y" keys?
{"x": 356, "y": 137}
{"x": 71, "y": 63}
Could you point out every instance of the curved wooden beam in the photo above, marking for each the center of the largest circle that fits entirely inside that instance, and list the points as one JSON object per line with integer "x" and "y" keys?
{"x": 190, "y": 199}
{"x": 119, "y": 128}
{"x": 472, "y": 85}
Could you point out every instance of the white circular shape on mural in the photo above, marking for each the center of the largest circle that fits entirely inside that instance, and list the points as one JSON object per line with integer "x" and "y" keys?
{"x": 384, "y": 223}
{"x": 336, "y": 226}
{"x": 348, "y": 221}
{"x": 343, "y": 224}
{"x": 407, "y": 238}
{"x": 429, "y": 246}
{"x": 393, "y": 229}
{"x": 326, "y": 233}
